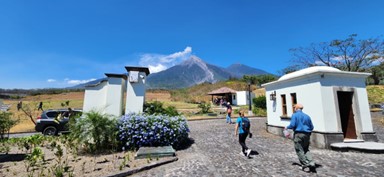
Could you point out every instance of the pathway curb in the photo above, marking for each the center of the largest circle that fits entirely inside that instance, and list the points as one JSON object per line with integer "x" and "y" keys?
{"x": 147, "y": 167}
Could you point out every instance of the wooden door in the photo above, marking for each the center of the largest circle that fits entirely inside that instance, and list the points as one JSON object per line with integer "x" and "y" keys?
{"x": 346, "y": 114}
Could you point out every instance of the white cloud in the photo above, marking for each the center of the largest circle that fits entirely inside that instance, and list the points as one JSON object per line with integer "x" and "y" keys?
{"x": 157, "y": 68}
{"x": 76, "y": 82}
{"x": 51, "y": 80}
{"x": 175, "y": 56}
{"x": 160, "y": 62}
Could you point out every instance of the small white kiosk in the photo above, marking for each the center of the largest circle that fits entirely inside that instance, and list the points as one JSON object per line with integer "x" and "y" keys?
{"x": 107, "y": 96}
{"x": 336, "y": 101}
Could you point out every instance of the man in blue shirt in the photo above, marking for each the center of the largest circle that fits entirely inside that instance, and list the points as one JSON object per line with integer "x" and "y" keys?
{"x": 302, "y": 126}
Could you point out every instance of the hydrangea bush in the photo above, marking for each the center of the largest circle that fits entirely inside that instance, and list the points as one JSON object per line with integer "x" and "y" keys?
{"x": 137, "y": 130}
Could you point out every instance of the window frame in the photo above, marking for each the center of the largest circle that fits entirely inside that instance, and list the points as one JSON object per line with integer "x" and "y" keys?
{"x": 293, "y": 101}
{"x": 283, "y": 105}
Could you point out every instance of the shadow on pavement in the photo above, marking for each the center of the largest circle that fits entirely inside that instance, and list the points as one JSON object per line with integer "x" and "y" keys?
{"x": 310, "y": 170}
{"x": 186, "y": 144}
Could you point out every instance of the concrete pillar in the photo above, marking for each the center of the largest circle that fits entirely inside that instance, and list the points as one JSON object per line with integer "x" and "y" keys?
{"x": 136, "y": 89}
{"x": 95, "y": 95}
{"x": 115, "y": 94}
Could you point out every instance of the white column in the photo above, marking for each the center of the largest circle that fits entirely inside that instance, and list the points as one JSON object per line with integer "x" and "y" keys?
{"x": 115, "y": 94}
{"x": 136, "y": 89}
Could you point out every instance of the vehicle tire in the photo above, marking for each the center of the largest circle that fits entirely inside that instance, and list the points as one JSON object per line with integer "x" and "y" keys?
{"x": 50, "y": 131}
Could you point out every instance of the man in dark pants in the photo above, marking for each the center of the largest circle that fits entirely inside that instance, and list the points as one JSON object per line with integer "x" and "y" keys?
{"x": 302, "y": 126}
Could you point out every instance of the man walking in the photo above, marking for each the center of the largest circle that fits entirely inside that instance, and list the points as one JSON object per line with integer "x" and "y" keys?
{"x": 302, "y": 126}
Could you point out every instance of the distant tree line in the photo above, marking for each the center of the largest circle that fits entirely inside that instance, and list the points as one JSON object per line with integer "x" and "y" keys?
{"x": 259, "y": 79}
{"x": 20, "y": 93}
{"x": 350, "y": 54}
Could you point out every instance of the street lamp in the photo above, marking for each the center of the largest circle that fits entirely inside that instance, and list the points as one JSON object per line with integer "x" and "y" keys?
{"x": 249, "y": 98}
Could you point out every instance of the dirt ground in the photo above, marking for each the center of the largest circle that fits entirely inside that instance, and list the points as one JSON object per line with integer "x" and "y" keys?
{"x": 14, "y": 163}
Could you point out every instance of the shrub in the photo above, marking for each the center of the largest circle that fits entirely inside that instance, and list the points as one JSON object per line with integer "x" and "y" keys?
{"x": 96, "y": 132}
{"x": 171, "y": 111}
{"x": 259, "y": 112}
{"x": 6, "y": 123}
{"x": 156, "y": 107}
{"x": 137, "y": 130}
{"x": 204, "y": 107}
{"x": 260, "y": 102}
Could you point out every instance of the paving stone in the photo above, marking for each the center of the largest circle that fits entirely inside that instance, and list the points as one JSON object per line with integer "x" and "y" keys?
{"x": 215, "y": 152}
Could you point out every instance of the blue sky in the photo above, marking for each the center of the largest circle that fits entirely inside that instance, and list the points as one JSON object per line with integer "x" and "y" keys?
{"x": 55, "y": 43}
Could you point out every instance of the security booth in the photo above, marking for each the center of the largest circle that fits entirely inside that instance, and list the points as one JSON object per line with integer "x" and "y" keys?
{"x": 336, "y": 101}
{"x": 107, "y": 95}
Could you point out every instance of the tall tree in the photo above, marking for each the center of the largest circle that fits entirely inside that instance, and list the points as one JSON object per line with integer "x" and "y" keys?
{"x": 377, "y": 76}
{"x": 348, "y": 54}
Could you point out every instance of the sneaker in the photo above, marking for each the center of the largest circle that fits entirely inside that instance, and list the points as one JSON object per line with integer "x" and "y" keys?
{"x": 248, "y": 152}
{"x": 312, "y": 169}
{"x": 242, "y": 153}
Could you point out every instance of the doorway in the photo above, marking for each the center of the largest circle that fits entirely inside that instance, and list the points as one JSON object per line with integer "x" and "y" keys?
{"x": 346, "y": 114}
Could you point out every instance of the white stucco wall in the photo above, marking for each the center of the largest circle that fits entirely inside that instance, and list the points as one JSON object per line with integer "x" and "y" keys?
{"x": 115, "y": 96}
{"x": 136, "y": 95}
{"x": 331, "y": 84}
{"x": 95, "y": 98}
{"x": 306, "y": 93}
{"x": 242, "y": 98}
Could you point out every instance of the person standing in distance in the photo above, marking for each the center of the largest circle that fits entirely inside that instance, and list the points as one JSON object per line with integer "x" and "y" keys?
{"x": 229, "y": 111}
{"x": 302, "y": 125}
{"x": 40, "y": 107}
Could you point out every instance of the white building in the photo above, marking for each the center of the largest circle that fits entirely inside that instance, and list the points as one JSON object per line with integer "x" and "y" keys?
{"x": 242, "y": 98}
{"x": 238, "y": 98}
{"x": 336, "y": 101}
{"x": 107, "y": 96}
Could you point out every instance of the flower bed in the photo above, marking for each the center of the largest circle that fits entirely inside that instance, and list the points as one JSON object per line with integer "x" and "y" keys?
{"x": 137, "y": 130}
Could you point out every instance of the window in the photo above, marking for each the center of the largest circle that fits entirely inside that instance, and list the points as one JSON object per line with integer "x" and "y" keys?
{"x": 133, "y": 76}
{"x": 234, "y": 97}
{"x": 293, "y": 100}
{"x": 284, "y": 105}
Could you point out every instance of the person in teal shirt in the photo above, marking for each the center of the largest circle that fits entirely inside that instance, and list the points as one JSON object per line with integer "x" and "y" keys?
{"x": 302, "y": 125}
{"x": 242, "y": 134}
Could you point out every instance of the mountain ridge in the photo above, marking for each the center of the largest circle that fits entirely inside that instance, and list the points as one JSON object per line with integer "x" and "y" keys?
{"x": 191, "y": 72}
{"x": 196, "y": 71}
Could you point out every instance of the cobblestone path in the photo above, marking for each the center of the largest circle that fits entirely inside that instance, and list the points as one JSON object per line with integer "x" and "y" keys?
{"x": 216, "y": 152}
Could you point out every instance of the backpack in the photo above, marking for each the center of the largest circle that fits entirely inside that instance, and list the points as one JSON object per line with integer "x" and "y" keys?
{"x": 245, "y": 124}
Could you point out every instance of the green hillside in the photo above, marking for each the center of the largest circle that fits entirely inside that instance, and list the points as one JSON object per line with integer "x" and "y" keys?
{"x": 199, "y": 92}
{"x": 375, "y": 94}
